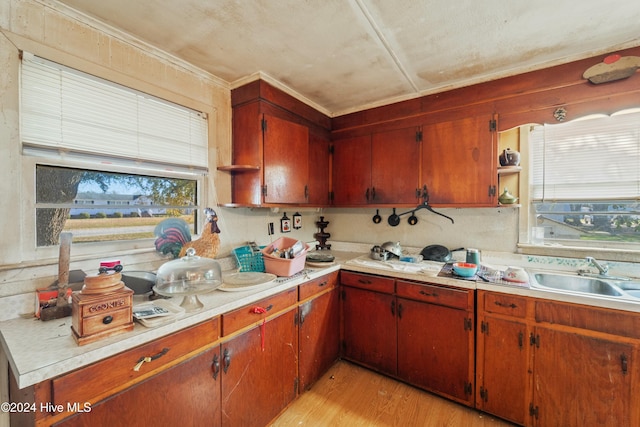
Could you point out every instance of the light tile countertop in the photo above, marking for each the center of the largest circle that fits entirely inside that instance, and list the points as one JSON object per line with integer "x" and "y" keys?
{"x": 38, "y": 350}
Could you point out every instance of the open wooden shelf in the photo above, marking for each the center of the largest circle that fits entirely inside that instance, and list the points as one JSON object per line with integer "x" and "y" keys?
{"x": 239, "y": 168}
{"x": 506, "y": 170}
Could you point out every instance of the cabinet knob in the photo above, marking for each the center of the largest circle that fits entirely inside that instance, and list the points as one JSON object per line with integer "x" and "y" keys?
{"x": 107, "y": 320}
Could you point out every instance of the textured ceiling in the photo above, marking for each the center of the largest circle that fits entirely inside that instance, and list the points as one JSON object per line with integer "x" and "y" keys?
{"x": 347, "y": 55}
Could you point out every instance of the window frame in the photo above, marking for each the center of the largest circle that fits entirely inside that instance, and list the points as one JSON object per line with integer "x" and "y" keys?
{"x": 109, "y": 249}
{"x": 611, "y": 251}
{"x": 32, "y": 255}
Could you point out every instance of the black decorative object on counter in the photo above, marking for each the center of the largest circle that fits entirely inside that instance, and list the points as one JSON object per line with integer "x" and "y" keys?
{"x": 322, "y": 235}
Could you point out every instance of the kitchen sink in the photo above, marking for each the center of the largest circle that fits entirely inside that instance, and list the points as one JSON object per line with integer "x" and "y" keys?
{"x": 582, "y": 284}
{"x": 630, "y": 288}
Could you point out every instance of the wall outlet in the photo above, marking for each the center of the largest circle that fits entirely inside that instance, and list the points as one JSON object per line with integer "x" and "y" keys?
{"x": 270, "y": 229}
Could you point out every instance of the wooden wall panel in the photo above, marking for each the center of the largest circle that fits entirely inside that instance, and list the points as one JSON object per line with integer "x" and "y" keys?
{"x": 525, "y": 98}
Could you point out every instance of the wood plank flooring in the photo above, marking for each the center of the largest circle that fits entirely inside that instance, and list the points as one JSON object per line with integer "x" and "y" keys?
{"x": 349, "y": 395}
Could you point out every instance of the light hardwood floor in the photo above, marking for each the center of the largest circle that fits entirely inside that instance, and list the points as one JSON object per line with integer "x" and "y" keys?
{"x": 349, "y": 395}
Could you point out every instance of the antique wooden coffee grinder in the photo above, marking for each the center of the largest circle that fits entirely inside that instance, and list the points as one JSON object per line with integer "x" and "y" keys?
{"x": 104, "y": 307}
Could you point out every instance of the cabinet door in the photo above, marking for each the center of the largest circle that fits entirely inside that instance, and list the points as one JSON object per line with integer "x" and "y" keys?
{"x": 369, "y": 328}
{"x": 319, "y": 336}
{"x": 581, "y": 380}
{"x": 502, "y": 368}
{"x": 286, "y": 161}
{"x": 435, "y": 349}
{"x": 259, "y": 381}
{"x": 352, "y": 171}
{"x": 187, "y": 394}
{"x": 459, "y": 162}
{"x": 319, "y": 169}
{"x": 395, "y": 170}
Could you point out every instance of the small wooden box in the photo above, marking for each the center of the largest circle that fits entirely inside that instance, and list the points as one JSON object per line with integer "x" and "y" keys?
{"x": 97, "y": 316}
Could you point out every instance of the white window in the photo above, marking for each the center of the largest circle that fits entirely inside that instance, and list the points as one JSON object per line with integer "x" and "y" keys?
{"x": 585, "y": 181}
{"x": 110, "y": 162}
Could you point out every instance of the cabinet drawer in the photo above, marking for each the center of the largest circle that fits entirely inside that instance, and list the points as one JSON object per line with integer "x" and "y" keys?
{"x": 318, "y": 285}
{"x": 99, "y": 378}
{"x": 505, "y": 304}
{"x": 367, "y": 281}
{"x": 106, "y": 321}
{"x": 245, "y": 316}
{"x": 456, "y": 298}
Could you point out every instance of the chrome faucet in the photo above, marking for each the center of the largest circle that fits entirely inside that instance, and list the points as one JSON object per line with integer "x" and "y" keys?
{"x": 603, "y": 269}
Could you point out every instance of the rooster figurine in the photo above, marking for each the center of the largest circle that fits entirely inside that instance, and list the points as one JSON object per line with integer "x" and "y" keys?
{"x": 173, "y": 237}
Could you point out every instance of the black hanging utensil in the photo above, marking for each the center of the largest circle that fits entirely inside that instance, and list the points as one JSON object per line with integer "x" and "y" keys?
{"x": 394, "y": 219}
{"x": 413, "y": 219}
{"x": 377, "y": 219}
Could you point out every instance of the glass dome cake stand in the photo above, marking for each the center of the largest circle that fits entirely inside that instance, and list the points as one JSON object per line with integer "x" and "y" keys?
{"x": 188, "y": 277}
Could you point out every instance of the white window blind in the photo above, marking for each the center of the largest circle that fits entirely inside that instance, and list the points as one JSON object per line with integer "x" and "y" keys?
{"x": 596, "y": 158}
{"x": 67, "y": 111}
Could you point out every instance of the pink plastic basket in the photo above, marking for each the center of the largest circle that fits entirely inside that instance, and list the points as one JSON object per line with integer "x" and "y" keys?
{"x": 282, "y": 266}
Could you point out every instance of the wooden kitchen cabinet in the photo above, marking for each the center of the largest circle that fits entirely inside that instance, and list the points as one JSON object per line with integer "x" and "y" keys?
{"x": 436, "y": 339}
{"x": 319, "y": 167}
{"x": 542, "y": 362}
{"x": 286, "y": 161}
{"x": 420, "y": 333}
{"x": 279, "y": 148}
{"x": 584, "y": 368}
{"x": 319, "y": 328}
{"x": 352, "y": 171}
{"x": 187, "y": 394}
{"x": 259, "y": 371}
{"x": 459, "y": 161}
{"x": 114, "y": 383}
{"x": 581, "y": 380}
{"x": 395, "y": 166}
{"x": 381, "y": 168}
{"x": 503, "y": 356}
{"x": 369, "y": 334}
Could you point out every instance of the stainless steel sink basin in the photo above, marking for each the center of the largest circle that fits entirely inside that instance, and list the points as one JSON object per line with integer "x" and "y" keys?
{"x": 630, "y": 288}
{"x": 582, "y": 284}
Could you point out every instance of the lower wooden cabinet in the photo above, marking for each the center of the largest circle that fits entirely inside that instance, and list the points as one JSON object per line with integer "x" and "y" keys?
{"x": 548, "y": 363}
{"x": 187, "y": 394}
{"x": 582, "y": 380}
{"x": 318, "y": 336}
{"x": 502, "y": 361}
{"x": 369, "y": 332}
{"x": 435, "y": 349}
{"x": 259, "y": 372}
{"x": 420, "y": 333}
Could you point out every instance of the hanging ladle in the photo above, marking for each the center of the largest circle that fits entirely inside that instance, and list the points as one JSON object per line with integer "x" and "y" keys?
{"x": 377, "y": 219}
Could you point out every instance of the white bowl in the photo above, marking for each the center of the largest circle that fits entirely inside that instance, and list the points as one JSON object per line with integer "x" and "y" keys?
{"x": 516, "y": 274}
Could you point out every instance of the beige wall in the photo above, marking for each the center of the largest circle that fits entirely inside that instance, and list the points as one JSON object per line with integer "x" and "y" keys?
{"x": 59, "y": 35}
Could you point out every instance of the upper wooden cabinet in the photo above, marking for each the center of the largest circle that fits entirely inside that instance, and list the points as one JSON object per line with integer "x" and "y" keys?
{"x": 319, "y": 167}
{"x": 459, "y": 161}
{"x": 378, "y": 168}
{"x": 280, "y": 149}
{"x": 286, "y": 161}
